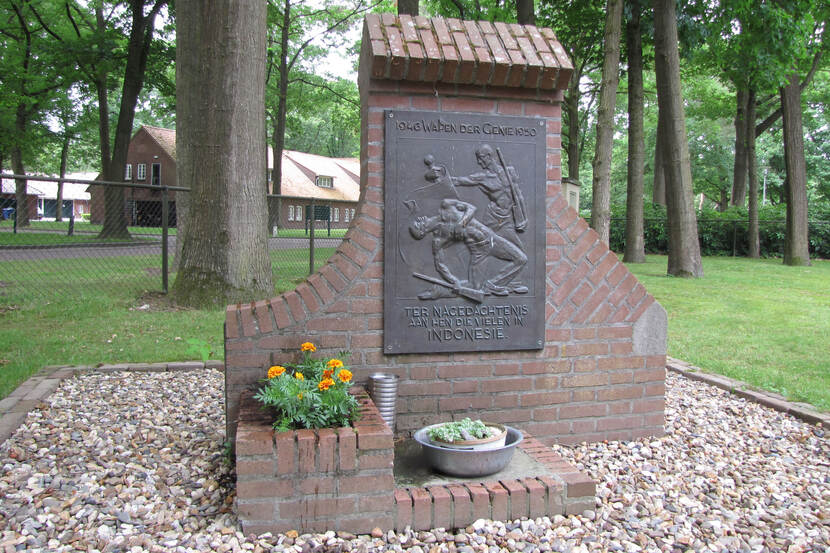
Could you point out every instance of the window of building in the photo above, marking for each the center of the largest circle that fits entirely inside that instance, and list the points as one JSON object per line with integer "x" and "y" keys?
{"x": 336, "y": 214}
{"x": 156, "y": 174}
{"x": 291, "y": 213}
{"x": 299, "y": 210}
{"x": 140, "y": 171}
{"x": 325, "y": 182}
{"x": 128, "y": 172}
{"x": 353, "y": 214}
{"x": 346, "y": 215}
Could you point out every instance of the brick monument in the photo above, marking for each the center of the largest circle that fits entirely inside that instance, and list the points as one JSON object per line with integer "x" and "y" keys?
{"x": 589, "y": 364}
{"x": 465, "y": 273}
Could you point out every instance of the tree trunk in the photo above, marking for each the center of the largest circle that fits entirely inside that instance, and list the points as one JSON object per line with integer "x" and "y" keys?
{"x": 220, "y": 144}
{"x": 601, "y": 182}
{"x": 64, "y": 161}
{"x": 739, "y": 173}
{"x": 796, "y": 240}
{"x": 282, "y": 104}
{"x": 634, "y": 241}
{"x": 276, "y": 185}
{"x": 21, "y": 211}
{"x": 658, "y": 190}
{"x": 524, "y": 12}
{"x": 684, "y": 248}
{"x": 408, "y": 7}
{"x": 277, "y": 151}
{"x": 753, "y": 237}
{"x": 572, "y": 113}
{"x": 103, "y": 99}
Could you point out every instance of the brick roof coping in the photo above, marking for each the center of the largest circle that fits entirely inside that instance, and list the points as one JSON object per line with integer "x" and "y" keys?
{"x": 421, "y": 49}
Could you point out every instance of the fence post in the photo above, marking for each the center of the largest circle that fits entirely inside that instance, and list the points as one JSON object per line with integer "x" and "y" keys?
{"x": 311, "y": 239}
{"x": 165, "y": 213}
{"x": 734, "y": 237}
{"x": 71, "y": 230}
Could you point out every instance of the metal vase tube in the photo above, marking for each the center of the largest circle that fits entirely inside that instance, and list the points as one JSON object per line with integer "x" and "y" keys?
{"x": 383, "y": 389}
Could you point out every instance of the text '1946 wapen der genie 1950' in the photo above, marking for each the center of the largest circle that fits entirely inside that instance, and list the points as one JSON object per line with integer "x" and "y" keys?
{"x": 464, "y": 232}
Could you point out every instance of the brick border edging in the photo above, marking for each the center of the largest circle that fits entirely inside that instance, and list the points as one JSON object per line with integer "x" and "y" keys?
{"x": 39, "y": 386}
{"x": 565, "y": 490}
{"x": 741, "y": 389}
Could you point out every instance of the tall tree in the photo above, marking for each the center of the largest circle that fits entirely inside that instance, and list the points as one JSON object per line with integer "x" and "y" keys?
{"x": 738, "y": 196}
{"x": 575, "y": 24}
{"x": 758, "y": 66}
{"x": 32, "y": 73}
{"x": 220, "y": 143}
{"x": 753, "y": 235}
{"x": 105, "y": 53}
{"x": 601, "y": 183}
{"x": 634, "y": 241}
{"x": 796, "y": 241}
{"x": 684, "y": 249}
{"x": 143, "y": 15}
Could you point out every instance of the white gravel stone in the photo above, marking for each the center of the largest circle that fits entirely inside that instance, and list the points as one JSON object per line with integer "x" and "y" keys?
{"x": 134, "y": 462}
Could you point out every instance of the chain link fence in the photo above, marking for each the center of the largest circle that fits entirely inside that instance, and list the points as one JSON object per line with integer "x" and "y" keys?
{"x": 96, "y": 237}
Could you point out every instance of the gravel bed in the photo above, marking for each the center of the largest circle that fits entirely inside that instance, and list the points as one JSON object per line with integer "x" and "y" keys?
{"x": 134, "y": 462}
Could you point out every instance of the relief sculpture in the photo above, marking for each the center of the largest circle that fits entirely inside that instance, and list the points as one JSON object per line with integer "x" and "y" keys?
{"x": 464, "y": 233}
{"x": 496, "y": 253}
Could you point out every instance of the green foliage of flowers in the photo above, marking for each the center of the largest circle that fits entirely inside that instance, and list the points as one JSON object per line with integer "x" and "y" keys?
{"x": 311, "y": 394}
{"x": 456, "y": 431}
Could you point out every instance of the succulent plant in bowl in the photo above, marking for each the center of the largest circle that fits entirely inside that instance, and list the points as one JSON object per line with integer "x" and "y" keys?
{"x": 467, "y": 433}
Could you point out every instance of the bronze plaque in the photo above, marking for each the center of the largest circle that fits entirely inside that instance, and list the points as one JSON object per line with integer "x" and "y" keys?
{"x": 464, "y": 232}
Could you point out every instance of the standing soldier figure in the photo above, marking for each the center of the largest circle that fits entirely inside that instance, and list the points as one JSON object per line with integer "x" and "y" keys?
{"x": 506, "y": 212}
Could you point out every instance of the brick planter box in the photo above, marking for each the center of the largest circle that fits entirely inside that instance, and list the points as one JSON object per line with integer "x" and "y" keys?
{"x": 342, "y": 479}
{"x": 314, "y": 480}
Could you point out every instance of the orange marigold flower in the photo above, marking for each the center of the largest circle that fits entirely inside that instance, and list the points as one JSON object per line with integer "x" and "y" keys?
{"x": 345, "y": 375}
{"x": 334, "y": 363}
{"x": 325, "y": 384}
{"x": 327, "y": 373}
{"x": 299, "y": 376}
{"x": 276, "y": 371}
{"x": 308, "y": 346}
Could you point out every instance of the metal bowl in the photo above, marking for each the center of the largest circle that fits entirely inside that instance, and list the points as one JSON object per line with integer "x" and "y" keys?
{"x": 468, "y": 462}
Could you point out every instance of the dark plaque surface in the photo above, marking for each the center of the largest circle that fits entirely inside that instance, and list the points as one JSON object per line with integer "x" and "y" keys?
{"x": 464, "y": 236}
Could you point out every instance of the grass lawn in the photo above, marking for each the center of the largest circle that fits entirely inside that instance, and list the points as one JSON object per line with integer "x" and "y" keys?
{"x": 80, "y": 227}
{"x": 319, "y": 232}
{"x": 55, "y": 239}
{"x": 98, "y": 320}
{"x": 754, "y": 320}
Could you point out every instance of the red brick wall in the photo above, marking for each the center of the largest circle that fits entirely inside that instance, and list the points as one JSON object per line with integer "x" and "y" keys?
{"x": 593, "y": 380}
{"x": 314, "y": 480}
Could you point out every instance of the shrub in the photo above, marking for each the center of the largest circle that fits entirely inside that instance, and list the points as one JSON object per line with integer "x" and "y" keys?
{"x": 725, "y": 233}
